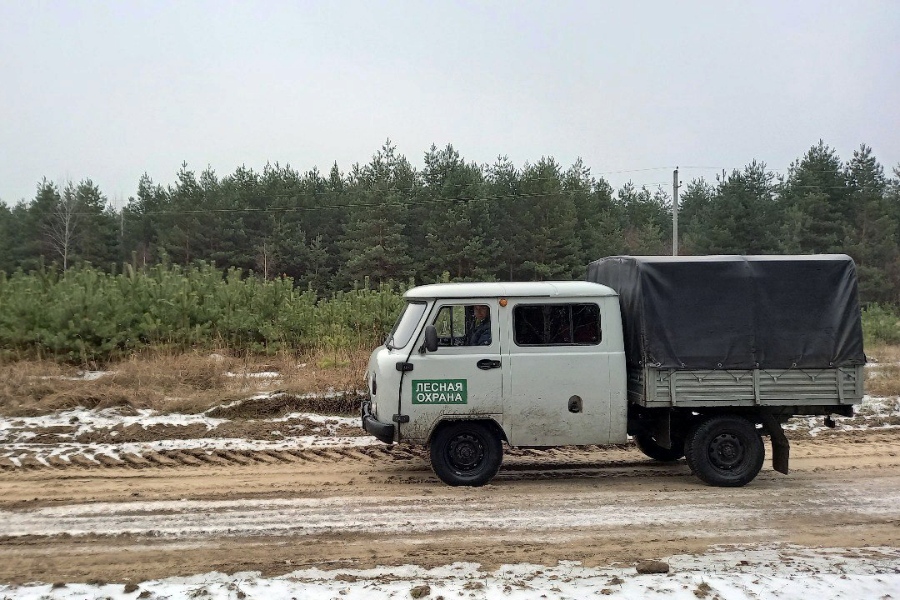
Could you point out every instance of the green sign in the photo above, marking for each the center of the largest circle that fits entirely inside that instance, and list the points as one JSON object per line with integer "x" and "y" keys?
{"x": 439, "y": 391}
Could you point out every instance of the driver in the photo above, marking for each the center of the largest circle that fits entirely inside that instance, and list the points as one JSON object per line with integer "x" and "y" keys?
{"x": 481, "y": 333}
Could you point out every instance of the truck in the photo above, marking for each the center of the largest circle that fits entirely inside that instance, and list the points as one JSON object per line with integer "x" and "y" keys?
{"x": 691, "y": 357}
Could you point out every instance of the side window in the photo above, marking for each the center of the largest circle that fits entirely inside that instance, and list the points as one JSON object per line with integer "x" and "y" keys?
{"x": 464, "y": 325}
{"x": 451, "y": 326}
{"x": 586, "y": 324}
{"x": 556, "y": 324}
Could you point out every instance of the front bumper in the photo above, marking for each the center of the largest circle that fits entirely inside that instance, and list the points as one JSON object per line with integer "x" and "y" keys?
{"x": 384, "y": 432}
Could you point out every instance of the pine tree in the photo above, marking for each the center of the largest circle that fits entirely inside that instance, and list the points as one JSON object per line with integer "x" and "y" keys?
{"x": 140, "y": 221}
{"x": 506, "y": 212}
{"x": 647, "y": 224}
{"x": 237, "y": 231}
{"x": 693, "y": 222}
{"x": 97, "y": 234}
{"x": 598, "y": 216}
{"x": 738, "y": 218}
{"x": 816, "y": 201}
{"x": 178, "y": 226}
{"x": 7, "y": 226}
{"x": 333, "y": 222}
{"x": 873, "y": 239}
{"x": 36, "y": 220}
{"x": 274, "y": 227}
{"x": 376, "y": 245}
{"x": 456, "y": 236}
{"x": 550, "y": 224}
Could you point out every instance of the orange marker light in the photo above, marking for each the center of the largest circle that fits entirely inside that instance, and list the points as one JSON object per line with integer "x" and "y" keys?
{"x": 503, "y": 302}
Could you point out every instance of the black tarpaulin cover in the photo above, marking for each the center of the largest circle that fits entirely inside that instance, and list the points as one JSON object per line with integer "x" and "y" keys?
{"x": 736, "y": 312}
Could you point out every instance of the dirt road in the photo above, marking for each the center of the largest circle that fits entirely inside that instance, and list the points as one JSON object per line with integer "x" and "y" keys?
{"x": 184, "y": 513}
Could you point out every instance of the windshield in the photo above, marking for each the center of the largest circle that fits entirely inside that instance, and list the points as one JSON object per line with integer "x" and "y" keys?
{"x": 406, "y": 325}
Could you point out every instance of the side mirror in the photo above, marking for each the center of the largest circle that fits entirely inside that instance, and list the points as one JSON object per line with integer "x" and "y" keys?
{"x": 431, "y": 340}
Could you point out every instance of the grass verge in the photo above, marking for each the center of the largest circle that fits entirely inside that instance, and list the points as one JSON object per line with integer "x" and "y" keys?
{"x": 190, "y": 382}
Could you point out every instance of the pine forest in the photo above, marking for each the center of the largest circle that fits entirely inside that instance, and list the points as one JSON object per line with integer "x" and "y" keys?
{"x": 280, "y": 258}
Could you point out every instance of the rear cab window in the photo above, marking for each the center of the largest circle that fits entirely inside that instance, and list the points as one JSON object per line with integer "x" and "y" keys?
{"x": 557, "y": 324}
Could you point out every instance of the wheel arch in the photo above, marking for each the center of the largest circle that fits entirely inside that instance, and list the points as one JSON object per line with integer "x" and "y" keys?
{"x": 490, "y": 422}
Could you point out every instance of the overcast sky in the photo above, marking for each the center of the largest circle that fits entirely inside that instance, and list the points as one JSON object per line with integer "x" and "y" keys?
{"x": 110, "y": 90}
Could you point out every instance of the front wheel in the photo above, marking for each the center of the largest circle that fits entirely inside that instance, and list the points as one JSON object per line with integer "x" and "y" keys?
{"x": 466, "y": 453}
{"x": 725, "y": 451}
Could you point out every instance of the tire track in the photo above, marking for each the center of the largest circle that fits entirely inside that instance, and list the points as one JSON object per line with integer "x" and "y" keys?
{"x": 573, "y": 462}
{"x": 205, "y": 458}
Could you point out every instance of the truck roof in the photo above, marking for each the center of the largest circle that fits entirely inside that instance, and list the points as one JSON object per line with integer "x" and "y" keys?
{"x": 511, "y": 289}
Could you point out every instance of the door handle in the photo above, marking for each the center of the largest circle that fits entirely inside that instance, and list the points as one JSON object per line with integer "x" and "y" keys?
{"x": 486, "y": 363}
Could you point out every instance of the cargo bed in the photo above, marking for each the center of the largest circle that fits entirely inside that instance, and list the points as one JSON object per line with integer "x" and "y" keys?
{"x": 654, "y": 387}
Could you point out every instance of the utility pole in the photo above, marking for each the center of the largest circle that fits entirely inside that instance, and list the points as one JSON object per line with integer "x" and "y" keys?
{"x": 675, "y": 187}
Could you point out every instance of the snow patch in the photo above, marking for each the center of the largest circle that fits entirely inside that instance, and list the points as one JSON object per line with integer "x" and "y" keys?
{"x": 86, "y": 421}
{"x": 17, "y": 433}
{"x": 786, "y": 572}
{"x": 870, "y": 414}
{"x": 81, "y": 376}
{"x": 260, "y": 375}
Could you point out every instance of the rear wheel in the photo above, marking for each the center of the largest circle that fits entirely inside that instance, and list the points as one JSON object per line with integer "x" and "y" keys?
{"x": 725, "y": 451}
{"x": 688, "y": 445}
{"x": 651, "y": 448}
{"x": 466, "y": 453}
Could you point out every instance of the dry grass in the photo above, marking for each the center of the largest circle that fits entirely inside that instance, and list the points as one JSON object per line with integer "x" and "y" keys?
{"x": 883, "y": 381}
{"x": 883, "y": 374}
{"x": 883, "y": 354}
{"x": 170, "y": 382}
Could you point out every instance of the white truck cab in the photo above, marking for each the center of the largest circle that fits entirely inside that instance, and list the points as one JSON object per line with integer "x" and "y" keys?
{"x": 470, "y": 365}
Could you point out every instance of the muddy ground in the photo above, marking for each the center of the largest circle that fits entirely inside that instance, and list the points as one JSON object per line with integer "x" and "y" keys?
{"x": 181, "y": 512}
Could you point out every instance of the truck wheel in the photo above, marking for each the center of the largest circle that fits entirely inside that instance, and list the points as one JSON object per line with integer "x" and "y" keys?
{"x": 688, "y": 447}
{"x": 725, "y": 451}
{"x": 648, "y": 446}
{"x": 466, "y": 453}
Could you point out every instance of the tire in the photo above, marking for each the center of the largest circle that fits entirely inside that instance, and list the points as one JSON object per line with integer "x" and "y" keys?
{"x": 689, "y": 444}
{"x": 648, "y": 446}
{"x": 466, "y": 453}
{"x": 725, "y": 451}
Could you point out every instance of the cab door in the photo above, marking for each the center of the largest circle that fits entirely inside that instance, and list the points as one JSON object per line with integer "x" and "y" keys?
{"x": 459, "y": 379}
{"x": 558, "y": 390}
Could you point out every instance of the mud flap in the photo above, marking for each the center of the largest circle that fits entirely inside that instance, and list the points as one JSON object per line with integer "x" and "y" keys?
{"x": 781, "y": 448}
{"x": 662, "y": 429}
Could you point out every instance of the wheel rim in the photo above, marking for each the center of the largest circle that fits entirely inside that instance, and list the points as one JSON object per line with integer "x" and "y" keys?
{"x": 465, "y": 452}
{"x": 726, "y": 451}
